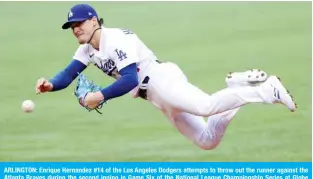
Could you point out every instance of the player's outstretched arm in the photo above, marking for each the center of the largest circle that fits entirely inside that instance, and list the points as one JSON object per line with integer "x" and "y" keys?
{"x": 62, "y": 80}
{"x": 127, "y": 82}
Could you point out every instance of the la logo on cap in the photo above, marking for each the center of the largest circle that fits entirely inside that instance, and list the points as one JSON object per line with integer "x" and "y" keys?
{"x": 70, "y": 14}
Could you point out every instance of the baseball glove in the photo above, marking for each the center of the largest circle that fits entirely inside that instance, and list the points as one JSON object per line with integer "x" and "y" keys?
{"x": 83, "y": 87}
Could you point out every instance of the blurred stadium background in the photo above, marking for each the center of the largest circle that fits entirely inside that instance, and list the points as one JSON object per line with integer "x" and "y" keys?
{"x": 206, "y": 39}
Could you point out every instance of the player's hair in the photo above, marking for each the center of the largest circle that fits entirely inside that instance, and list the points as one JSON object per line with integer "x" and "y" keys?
{"x": 100, "y": 22}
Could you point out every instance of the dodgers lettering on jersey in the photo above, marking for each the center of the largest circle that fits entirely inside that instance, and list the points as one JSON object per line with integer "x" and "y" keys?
{"x": 118, "y": 48}
{"x": 108, "y": 67}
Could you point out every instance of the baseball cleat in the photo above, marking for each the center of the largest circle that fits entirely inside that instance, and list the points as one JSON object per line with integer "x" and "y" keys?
{"x": 251, "y": 77}
{"x": 280, "y": 93}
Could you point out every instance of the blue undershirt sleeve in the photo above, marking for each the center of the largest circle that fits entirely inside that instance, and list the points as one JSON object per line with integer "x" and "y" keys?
{"x": 127, "y": 82}
{"x": 65, "y": 77}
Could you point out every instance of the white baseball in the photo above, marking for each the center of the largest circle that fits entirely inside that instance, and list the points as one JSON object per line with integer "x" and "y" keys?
{"x": 28, "y": 106}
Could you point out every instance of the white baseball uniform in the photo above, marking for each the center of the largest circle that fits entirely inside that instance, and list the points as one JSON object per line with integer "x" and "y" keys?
{"x": 168, "y": 88}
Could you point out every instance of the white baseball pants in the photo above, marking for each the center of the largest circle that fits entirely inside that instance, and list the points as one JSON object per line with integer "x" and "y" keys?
{"x": 185, "y": 105}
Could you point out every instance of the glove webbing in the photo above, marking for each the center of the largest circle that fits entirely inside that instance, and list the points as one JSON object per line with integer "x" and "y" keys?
{"x": 94, "y": 88}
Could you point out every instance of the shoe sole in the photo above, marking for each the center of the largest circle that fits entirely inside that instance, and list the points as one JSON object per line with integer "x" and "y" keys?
{"x": 252, "y": 77}
{"x": 286, "y": 94}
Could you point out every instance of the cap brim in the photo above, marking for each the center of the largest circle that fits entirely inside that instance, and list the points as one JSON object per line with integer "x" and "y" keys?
{"x": 68, "y": 24}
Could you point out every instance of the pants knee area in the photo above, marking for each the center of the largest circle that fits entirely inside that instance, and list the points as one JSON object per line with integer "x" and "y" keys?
{"x": 203, "y": 111}
{"x": 208, "y": 145}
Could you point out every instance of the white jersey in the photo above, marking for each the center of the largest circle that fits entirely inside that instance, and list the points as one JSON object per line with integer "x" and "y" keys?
{"x": 118, "y": 48}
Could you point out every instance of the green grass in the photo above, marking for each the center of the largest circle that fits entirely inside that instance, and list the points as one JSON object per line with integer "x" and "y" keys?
{"x": 206, "y": 39}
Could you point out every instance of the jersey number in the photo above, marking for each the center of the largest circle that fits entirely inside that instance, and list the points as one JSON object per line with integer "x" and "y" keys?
{"x": 127, "y": 31}
{"x": 120, "y": 54}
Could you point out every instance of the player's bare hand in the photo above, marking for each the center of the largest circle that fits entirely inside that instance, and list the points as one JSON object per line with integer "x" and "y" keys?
{"x": 43, "y": 86}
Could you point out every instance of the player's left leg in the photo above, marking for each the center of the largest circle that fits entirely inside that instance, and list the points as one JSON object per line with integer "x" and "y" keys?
{"x": 206, "y": 135}
{"x": 215, "y": 129}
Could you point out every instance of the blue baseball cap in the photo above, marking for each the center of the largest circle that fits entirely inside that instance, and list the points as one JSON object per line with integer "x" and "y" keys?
{"x": 79, "y": 13}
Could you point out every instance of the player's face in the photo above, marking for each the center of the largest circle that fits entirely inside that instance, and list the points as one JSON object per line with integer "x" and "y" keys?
{"x": 83, "y": 30}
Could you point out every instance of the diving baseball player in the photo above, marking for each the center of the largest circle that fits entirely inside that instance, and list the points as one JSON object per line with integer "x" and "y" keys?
{"x": 120, "y": 54}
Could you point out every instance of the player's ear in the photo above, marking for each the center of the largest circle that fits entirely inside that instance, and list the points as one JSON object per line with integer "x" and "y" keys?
{"x": 94, "y": 21}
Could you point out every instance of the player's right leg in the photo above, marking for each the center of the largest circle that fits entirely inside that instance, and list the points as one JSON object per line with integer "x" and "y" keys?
{"x": 212, "y": 133}
{"x": 180, "y": 94}
{"x": 251, "y": 77}
{"x": 208, "y": 135}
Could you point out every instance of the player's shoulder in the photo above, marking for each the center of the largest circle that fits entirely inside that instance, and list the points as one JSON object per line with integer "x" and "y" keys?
{"x": 116, "y": 29}
{"x": 113, "y": 37}
{"x": 117, "y": 32}
{"x": 84, "y": 48}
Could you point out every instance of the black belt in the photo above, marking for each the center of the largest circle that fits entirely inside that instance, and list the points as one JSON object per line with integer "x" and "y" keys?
{"x": 142, "y": 92}
{"x": 143, "y": 88}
